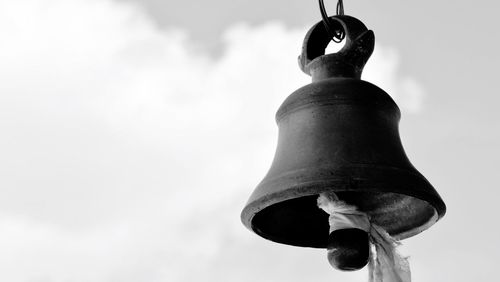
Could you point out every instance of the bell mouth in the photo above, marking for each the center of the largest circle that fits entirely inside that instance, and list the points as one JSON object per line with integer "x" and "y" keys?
{"x": 299, "y": 222}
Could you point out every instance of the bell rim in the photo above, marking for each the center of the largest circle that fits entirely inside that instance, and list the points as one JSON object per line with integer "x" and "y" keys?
{"x": 342, "y": 184}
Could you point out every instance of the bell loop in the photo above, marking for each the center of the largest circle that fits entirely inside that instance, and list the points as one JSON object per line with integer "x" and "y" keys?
{"x": 349, "y": 61}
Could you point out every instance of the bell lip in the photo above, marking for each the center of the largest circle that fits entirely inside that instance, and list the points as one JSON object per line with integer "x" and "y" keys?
{"x": 311, "y": 188}
{"x": 252, "y": 209}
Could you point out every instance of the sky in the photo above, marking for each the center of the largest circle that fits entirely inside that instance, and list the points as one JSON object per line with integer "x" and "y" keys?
{"x": 133, "y": 132}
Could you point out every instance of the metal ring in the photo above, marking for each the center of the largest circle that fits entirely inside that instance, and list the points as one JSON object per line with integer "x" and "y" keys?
{"x": 336, "y": 31}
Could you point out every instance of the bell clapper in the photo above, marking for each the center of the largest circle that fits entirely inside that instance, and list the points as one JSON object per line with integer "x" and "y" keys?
{"x": 348, "y": 245}
{"x": 348, "y": 249}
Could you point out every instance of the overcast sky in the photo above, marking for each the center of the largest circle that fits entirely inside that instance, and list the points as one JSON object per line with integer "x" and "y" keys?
{"x": 134, "y": 131}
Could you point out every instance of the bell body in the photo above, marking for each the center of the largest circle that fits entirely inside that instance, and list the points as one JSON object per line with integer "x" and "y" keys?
{"x": 339, "y": 134}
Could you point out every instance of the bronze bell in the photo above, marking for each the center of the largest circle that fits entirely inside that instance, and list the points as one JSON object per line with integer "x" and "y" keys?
{"x": 339, "y": 134}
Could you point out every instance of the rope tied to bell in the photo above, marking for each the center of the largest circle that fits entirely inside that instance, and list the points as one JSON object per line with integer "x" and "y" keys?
{"x": 385, "y": 263}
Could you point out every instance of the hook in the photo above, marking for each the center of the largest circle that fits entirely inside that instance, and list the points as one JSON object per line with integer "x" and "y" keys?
{"x": 333, "y": 28}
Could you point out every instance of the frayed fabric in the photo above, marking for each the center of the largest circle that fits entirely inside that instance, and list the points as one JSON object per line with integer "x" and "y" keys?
{"x": 385, "y": 264}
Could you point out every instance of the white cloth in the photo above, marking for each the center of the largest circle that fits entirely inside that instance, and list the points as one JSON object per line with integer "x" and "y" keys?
{"x": 385, "y": 264}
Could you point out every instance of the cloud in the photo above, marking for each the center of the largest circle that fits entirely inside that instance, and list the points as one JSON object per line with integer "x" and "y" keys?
{"x": 127, "y": 151}
{"x": 382, "y": 70}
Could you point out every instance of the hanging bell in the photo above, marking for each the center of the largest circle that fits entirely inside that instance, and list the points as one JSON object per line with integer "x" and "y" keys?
{"x": 339, "y": 135}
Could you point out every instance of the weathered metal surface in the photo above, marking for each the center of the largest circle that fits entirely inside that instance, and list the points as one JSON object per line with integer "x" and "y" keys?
{"x": 339, "y": 134}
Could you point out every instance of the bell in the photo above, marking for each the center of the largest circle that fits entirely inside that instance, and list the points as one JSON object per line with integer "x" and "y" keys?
{"x": 339, "y": 134}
